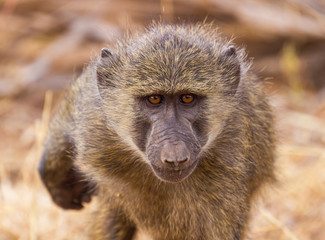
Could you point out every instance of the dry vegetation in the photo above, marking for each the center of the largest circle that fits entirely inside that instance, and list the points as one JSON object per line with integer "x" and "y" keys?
{"x": 45, "y": 44}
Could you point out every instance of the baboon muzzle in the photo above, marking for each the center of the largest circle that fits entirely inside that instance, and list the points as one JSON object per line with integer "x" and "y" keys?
{"x": 173, "y": 154}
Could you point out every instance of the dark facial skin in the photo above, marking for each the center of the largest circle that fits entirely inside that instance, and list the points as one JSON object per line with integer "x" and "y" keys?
{"x": 172, "y": 146}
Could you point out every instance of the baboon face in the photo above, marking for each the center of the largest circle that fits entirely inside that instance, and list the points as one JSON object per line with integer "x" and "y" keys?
{"x": 168, "y": 99}
{"x": 172, "y": 147}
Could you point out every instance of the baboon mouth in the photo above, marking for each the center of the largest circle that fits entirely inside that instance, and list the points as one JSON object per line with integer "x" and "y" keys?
{"x": 175, "y": 174}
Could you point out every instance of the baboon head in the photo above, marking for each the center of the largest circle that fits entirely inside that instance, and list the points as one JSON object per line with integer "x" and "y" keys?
{"x": 168, "y": 93}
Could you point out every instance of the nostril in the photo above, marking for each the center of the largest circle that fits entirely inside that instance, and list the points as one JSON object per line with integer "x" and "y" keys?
{"x": 170, "y": 161}
{"x": 175, "y": 162}
{"x": 183, "y": 161}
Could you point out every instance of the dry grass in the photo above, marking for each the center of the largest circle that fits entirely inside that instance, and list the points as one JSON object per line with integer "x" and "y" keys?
{"x": 42, "y": 43}
{"x": 25, "y": 207}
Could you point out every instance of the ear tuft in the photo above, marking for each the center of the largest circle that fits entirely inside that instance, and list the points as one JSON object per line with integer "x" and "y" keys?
{"x": 230, "y": 62}
{"x": 106, "y": 70}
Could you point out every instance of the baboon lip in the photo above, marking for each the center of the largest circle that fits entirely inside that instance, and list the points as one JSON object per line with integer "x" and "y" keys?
{"x": 173, "y": 175}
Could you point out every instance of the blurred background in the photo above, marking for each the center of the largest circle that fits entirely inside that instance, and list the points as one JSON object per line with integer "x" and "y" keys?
{"x": 45, "y": 44}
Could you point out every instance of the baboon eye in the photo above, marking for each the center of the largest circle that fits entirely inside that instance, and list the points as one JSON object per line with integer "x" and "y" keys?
{"x": 187, "y": 98}
{"x": 155, "y": 99}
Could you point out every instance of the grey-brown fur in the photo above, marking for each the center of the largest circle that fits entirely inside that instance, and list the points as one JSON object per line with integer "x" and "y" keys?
{"x": 97, "y": 138}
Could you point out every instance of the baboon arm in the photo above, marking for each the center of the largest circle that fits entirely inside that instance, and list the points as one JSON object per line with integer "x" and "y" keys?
{"x": 67, "y": 186}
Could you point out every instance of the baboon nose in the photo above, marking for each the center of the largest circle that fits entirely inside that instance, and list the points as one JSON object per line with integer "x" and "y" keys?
{"x": 175, "y": 154}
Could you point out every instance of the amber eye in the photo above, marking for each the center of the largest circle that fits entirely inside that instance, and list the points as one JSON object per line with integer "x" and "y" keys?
{"x": 187, "y": 98}
{"x": 155, "y": 99}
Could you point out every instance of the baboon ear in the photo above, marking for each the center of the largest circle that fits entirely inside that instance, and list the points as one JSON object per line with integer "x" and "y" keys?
{"x": 105, "y": 70}
{"x": 106, "y": 53}
{"x": 231, "y": 72}
{"x": 229, "y": 51}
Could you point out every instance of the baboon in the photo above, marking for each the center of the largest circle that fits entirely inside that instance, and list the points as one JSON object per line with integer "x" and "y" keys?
{"x": 171, "y": 131}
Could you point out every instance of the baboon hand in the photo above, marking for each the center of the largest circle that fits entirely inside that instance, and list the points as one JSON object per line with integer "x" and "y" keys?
{"x": 68, "y": 188}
